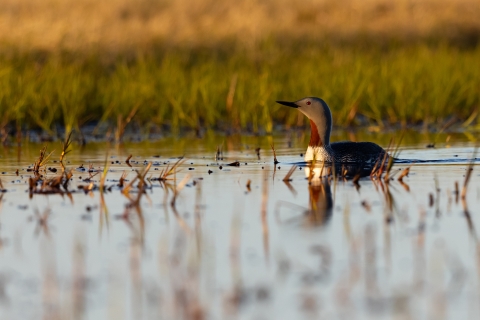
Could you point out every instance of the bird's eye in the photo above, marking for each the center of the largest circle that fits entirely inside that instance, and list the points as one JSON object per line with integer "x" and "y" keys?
{"x": 308, "y": 103}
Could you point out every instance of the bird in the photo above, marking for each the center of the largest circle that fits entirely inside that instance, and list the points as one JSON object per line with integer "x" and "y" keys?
{"x": 320, "y": 149}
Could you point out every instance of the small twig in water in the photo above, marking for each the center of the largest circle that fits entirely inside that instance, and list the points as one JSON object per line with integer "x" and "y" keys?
{"x": 274, "y": 154}
{"x": 289, "y": 173}
{"x": 128, "y": 160}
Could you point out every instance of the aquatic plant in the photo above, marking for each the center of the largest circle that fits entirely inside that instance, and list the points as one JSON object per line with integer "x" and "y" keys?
{"x": 180, "y": 89}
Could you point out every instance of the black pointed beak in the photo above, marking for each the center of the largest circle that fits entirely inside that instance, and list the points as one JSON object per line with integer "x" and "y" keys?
{"x": 288, "y": 104}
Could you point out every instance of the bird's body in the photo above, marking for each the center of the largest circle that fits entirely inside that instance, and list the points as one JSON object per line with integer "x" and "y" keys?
{"x": 320, "y": 148}
{"x": 346, "y": 152}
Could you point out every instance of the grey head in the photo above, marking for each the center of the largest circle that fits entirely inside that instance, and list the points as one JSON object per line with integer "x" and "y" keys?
{"x": 320, "y": 117}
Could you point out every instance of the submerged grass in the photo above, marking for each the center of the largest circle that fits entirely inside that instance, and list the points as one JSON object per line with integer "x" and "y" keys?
{"x": 231, "y": 90}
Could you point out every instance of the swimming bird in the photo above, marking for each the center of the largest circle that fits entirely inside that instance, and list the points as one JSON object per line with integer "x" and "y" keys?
{"x": 320, "y": 148}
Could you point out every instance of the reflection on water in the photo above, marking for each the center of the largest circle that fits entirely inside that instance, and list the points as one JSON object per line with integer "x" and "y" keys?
{"x": 320, "y": 204}
{"x": 205, "y": 242}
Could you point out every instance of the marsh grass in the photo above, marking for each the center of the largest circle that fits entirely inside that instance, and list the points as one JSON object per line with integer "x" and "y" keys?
{"x": 185, "y": 89}
{"x": 165, "y": 65}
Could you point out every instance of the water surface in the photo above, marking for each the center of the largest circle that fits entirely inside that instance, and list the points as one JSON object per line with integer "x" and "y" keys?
{"x": 227, "y": 251}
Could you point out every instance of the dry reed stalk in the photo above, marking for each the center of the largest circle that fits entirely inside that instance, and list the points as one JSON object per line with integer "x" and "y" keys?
{"x": 334, "y": 176}
{"x": 66, "y": 144}
{"x": 128, "y": 160}
{"x": 468, "y": 174}
{"x": 404, "y": 185}
{"x": 182, "y": 223}
{"x": 91, "y": 173}
{"x": 103, "y": 177}
{"x": 42, "y": 160}
{"x": 404, "y": 173}
{"x": 389, "y": 164}
{"x": 169, "y": 171}
{"x": 463, "y": 197}
{"x": 311, "y": 167}
{"x": 142, "y": 175}
{"x": 311, "y": 173}
{"x": 68, "y": 175}
{"x": 127, "y": 188}
{"x": 290, "y": 173}
{"x": 104, "y": 214}
{"x": 374, "y": 169}
{"x": 275, "y": 161}
{"x": 121, "y": 181}
{"x": 322, "y": 168}
{"x": 379, "y": 166}
{"x": 179, "y": 188}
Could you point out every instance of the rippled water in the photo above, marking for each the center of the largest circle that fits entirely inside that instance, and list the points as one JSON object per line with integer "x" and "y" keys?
{"x": 273, "y": 250}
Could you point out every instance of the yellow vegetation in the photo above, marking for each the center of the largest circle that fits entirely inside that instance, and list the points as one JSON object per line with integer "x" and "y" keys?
{"x": 118, "y": 25}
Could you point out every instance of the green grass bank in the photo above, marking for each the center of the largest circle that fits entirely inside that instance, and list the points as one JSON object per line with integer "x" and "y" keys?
{"x": 230, "y": 89}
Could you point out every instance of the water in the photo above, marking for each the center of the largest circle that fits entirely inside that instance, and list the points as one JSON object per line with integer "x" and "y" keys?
{"x": 226, "y": 252}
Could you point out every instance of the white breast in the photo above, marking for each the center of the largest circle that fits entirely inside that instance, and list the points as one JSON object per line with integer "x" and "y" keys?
{"x": 317, "y": 153}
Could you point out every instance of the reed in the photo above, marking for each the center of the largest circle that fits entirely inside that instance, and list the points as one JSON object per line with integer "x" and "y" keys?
{"x": 469, "y": 174}
{"x": 289, "y": 174}
{"x": 179, "y": 89}
{"x": 176, "y": 64}
{"x": 275, "y": 161}
{"x": 170, "y": 172}
{"x": 41, "y": 161}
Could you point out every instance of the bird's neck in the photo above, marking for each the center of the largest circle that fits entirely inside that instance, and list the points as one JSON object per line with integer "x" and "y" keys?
{"x": 319, "y": 138}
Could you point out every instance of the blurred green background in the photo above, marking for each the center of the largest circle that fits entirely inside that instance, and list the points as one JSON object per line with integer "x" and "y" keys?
{"x": 171, "y": 65}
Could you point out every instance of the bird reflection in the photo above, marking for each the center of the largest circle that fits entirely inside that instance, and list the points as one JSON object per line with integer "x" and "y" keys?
{"x": 320, "y": 205}
{"x": 321, "y": 202}
{"x": 318, "y": 171}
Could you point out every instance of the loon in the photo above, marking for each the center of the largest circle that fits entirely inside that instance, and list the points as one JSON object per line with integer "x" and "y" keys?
{"x": 320, "y": 148}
